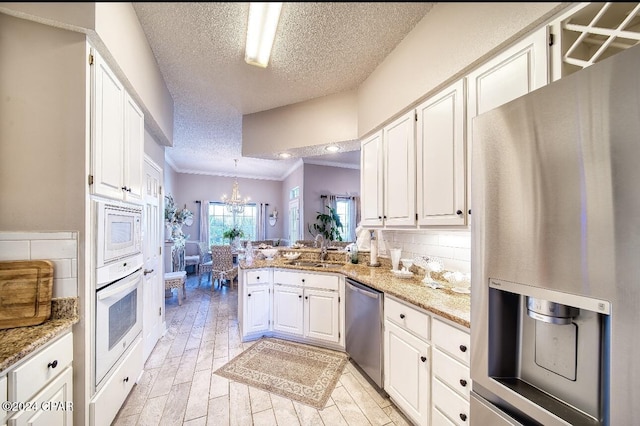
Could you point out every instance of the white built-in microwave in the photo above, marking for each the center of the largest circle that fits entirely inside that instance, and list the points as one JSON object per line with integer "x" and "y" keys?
{"x": 119, "y": 233}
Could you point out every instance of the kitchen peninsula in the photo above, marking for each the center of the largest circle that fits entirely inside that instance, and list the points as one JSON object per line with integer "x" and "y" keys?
{"x": 444, "y": 302}
{"x": 426, "y": 342}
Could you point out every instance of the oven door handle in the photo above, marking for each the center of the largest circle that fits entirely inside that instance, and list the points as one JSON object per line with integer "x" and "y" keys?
{"x": 105, "y": 294}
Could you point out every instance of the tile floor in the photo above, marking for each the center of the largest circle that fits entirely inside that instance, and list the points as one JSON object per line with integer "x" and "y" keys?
{"x": 178, "y": 387}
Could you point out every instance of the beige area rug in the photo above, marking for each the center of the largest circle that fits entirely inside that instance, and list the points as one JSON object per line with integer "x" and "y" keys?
{"x": 304, "y": 373}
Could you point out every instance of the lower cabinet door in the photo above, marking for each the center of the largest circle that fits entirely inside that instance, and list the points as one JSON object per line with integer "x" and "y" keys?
{"x": 321, "y": 315}
{"x": 288, "y": 309}
{"x": 53, "y": 405}
{"x": 406, "y": 366}
{"x": 258, "y": 310}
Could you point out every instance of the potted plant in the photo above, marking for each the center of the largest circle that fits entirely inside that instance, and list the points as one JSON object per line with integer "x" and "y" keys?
{"x": 233, "y": 234}
{"x": 328, "y": 225}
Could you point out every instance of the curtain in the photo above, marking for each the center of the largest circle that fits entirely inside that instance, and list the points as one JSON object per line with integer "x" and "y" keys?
{"x": 204, "y": 222}
{"x": 261, "y": 223}
{"x": 331, "y": 201}
{"x": 354, "y": 217}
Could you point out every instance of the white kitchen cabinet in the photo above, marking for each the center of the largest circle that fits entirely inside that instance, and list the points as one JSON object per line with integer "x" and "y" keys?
{"x": 371, "y": 180}
{"x": 451, "y": 382}
{"x": 106, "y": 403}
{"x": 118, "y": 137}
{"x": 54, "y": 404}
{"x": 441, "y": 159}
{"x": 399, "y": 174}
{"x": 288, "y": 309}
{"x": 322, "y": 315}
{"x": 258, "y": 297}
{"x": 255, "y": 291}
{"x": 3, "y": 397}
{"x": 45, "y": 377}
{"x": 406, "y": 366}
{"x": 308, "y": 306}
{"x": 406, "y": 359}
{"x": 518, "y": 70}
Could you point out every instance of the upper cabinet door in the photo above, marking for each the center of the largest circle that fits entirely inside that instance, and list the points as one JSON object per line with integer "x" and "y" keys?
{"x": 515, "y": 72}
{"x": 108, "y": 135}
{"x": 371, "y": 177}
{"x": 133, "y": 149}
{"x": 399, "y": 142}
{"x": 117, "y": 146}
{"x": 441, "y": 158}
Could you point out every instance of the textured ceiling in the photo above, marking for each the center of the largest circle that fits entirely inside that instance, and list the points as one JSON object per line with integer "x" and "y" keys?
{"x": 320, "y": 49}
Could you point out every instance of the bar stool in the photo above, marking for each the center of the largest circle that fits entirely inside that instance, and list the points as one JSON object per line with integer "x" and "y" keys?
{"x": 177, "y": 280}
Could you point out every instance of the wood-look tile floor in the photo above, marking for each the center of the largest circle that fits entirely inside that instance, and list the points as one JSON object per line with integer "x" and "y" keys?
{"x": 178, "y": 386}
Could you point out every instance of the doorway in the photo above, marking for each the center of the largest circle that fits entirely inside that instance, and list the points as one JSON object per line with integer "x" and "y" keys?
{"x": 153, "y": 283}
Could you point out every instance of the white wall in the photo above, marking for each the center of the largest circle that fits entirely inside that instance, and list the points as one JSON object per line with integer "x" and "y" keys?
{"x": 319, "y": 121}
{"x": 190, "y": 188}
{"x": 447, "y": 42}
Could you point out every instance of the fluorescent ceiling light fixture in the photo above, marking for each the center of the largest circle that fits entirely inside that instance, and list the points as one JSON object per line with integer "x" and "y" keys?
{"x": 261, "y": 30}
{"x": 333, "y": 148}
{"x": 285, "y": 155}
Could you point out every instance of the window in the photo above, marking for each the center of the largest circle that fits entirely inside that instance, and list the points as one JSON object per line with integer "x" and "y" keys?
{"x": 220, "y": 219}
{"x": 344, "y": 209}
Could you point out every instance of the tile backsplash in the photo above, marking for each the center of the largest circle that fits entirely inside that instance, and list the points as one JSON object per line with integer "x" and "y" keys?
{"x": 61, "y": 248}
{"x": 452, "y": 247}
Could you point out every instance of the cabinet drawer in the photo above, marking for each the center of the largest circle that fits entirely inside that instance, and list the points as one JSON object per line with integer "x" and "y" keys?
{"x": 451, "y": 340}
{"x": 257, "y": 277}
{"x": 327, "y": 282}
{"x": 452, "y": 372}
{"x": 408, "y": 318}
{"x": 439, "y": 419}
{"x": 455, "y": 407}
{"x": 105, "y": 405}
{"x": 26, "y": 380}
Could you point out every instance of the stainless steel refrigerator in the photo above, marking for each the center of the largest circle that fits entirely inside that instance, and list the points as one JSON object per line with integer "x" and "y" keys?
{"x": 555, "y": 309}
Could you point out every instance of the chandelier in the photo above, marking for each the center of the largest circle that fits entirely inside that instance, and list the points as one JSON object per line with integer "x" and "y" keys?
{"x": 236, "y": 203}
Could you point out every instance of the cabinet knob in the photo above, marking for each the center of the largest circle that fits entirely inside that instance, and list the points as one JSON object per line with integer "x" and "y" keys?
{"x": 379, "y": 217}
{"x": 463, "y": 417}
{"x": 303, "y": 280}
{"x": 306, "y": 297}
{"x": 148, "y": 271}
{"x": 126, "y": 379}
{"x": 300, "y": 296}
{"x": 257, "y": 278}
{"x": 459, "y": 212}
{"x": 469, "y": 211}
{"x": 401, "y": 316}
{"x": 463, "y": 382}
{"x": 249, "y": 294}
{"x": 385, "y": 216}
{"x": 423, "y": 358}
{"x": 463, "y": 348}
{"x": 124, "y": 188}
{"x": 53, "y": 364}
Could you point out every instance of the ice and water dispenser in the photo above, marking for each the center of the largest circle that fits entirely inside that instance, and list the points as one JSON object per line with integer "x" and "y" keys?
{"x": 549, "y": 347}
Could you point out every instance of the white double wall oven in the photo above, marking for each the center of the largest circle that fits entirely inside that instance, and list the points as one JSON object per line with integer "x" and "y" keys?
{"x": 118, "y": 300}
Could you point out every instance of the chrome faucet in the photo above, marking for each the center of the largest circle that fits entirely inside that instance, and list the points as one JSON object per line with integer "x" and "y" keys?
{"x": 323, "y": 247}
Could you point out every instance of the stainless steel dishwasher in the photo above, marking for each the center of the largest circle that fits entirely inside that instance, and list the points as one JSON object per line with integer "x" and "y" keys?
{"x": 364, "y": 338}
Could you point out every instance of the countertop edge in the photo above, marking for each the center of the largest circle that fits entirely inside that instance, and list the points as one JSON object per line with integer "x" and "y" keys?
{"x": 351, "y": 271}
{"x": 20, "y": 342}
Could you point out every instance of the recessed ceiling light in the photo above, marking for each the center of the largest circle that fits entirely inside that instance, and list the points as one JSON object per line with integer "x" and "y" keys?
{"x": 285, "y": 155}
{"x": 333, "y": 148}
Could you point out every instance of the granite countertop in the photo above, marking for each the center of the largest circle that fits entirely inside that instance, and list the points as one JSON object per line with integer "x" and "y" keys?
{"x": 444, "y": 302}
{"x": 19, "y": 342}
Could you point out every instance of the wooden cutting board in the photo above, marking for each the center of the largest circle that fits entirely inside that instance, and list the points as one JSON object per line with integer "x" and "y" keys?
{"x": 25, "y": 292}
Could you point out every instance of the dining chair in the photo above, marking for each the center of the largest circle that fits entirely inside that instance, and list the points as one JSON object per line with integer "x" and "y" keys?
{"x": 223, "y": 268}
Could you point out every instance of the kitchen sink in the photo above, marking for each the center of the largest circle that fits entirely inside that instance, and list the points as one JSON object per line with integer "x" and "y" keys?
{"x": 315, "y": 264}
